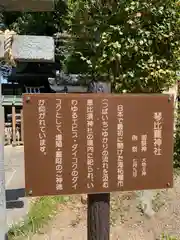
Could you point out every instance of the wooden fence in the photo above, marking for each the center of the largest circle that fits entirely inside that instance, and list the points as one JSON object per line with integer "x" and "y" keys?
{"x": 14, "y": 128}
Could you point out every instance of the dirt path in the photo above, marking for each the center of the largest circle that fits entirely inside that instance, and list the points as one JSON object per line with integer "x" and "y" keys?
{"x": 127, "y": 220}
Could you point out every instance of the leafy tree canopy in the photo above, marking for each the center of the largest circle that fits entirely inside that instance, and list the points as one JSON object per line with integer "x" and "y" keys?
{"x": 135, "y": 44}
{"x": 38, "y": 23}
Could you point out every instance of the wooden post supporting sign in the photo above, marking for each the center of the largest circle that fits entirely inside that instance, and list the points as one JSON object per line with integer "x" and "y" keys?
{"x": 98, "y": 223}
{"x": 28, "y": 5}
{"x": 98, "y": 209}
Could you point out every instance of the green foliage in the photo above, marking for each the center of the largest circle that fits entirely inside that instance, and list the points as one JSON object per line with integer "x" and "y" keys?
{"x": 1, "y": 18}
{"x": 177, "y": 141}
{"x": 133, "y": 43}
{"x": 40, "y": 213}
{"x": 177, "y": 151}
{"x": 167, "y": 237}
{"x": 39, "y": 23}
{"x": 74, "y": 64}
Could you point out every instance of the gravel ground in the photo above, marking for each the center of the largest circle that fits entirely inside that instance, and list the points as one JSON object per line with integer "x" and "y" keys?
{"x": 128, "y": 222}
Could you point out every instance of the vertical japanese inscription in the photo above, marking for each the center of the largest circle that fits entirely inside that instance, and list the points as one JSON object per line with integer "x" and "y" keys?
{"x": 94, "y": 135}
{"x": 144, "y": 150}
{"x": 58, "y": 145}
{"x": 90, "y": 143}
{"x": 135, "y": 160}
{"x": 105, "y": 150}
{"x": 42, "y": 125}
{"x": 74, "y": 148}
{"x": 157, "y": 133}
{"x": 120, "y": 146}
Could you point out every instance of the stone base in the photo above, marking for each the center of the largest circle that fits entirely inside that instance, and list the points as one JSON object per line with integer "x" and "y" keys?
{"x": 30, "y": 48}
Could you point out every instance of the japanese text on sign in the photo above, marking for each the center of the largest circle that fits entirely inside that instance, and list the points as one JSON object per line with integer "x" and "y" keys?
{"x": 97, "y": 143}
{"x": 157, "y": 133}
{"x": 90, "y": 143}
{"x": 144, "y": 143}
{"x": 144, "y": 149}
{"x": 135, "y": 161}
{"x": 144, "y": 167}
{"x": 120, "y": 146}
{"x": 42, "y": 125}
{"x": 74, "y": 114}
{"x": 58, "y": 143}
{"x": 105, "y": 150}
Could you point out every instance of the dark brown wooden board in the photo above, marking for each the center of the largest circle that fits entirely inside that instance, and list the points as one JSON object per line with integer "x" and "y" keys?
{"x": 94, "y": 143}
{"x": 27, "y": 5}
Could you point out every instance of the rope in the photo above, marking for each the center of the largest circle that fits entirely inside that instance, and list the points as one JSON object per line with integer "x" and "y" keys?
{"x": 8, "y": 40}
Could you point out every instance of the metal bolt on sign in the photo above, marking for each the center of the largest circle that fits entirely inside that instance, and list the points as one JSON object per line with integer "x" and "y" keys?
{"x": 170, "y": 97}
{"x": 28, "y": 99}
{"x": 30, "y": 193}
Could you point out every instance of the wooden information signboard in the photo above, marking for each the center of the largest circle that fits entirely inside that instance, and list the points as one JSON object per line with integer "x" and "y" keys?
{"x": 27, "y": 5}
{"x": 93, "y": 143}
